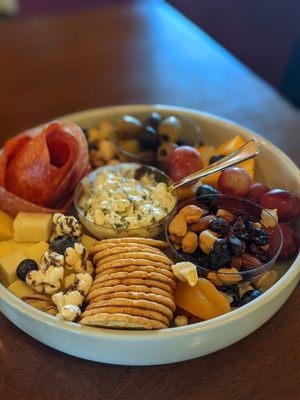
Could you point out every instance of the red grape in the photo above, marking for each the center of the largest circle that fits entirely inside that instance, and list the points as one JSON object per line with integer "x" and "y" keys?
{"x": 234, "y": 181}
{"x": 183, "y": 161}
{"x": 291, "y": 242}
{"x": 286, "y": 202}
{"x": 256, "y": 191}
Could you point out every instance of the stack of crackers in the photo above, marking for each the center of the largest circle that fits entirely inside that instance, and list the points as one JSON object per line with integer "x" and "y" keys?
{"x": 133, "y": 286}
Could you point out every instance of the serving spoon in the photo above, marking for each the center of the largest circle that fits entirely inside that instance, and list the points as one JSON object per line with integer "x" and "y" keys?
{"x": 245, "y": 152}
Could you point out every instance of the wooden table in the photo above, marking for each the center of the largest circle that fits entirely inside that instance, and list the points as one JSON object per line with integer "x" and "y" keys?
{"x": 141, "y": 52}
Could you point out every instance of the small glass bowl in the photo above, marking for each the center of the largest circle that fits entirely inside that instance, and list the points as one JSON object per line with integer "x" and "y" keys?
{"x": 236, "y": 206}
{"x": 191, "y": 136}
{"x": 102, "y": 232}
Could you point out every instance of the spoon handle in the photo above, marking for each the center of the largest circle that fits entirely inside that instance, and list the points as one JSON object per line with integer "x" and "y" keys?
{"x": 248, "y": 150}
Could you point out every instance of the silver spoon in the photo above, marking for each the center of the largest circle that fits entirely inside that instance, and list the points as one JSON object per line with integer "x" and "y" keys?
{"x": 248, "y": 150}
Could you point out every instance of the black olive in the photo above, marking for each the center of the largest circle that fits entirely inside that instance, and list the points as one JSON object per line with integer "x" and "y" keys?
{"x": 181, "y": 142}
{"x": 93, "y": 146}
{"x": 25, "y": 267}
{"x": 219, "y": 225}
{"x": 216, "y": 158}
{"x": 235, "y": 246}
{"x": 149, "y": 138}
{"x": 86, "y": 133}
{"x": 154, "y": 120}
{"x": 61, "y": 243}
{"x": 204, "y": 190}
{"x": 249, "y": 296}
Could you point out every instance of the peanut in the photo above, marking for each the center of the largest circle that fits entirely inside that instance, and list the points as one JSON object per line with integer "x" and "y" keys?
{"x": 191, "y": 213}
{"x": 190, "y": 242}
{"x": 181, "y": 320}
{"x": 227, "y": 215}
{"x": 207, "y": 239}
{"x": 178, "y": 225}
{"x": 267, "y": 280}
{"x": 176, "y": 239}
{"x": 244, "y": 287}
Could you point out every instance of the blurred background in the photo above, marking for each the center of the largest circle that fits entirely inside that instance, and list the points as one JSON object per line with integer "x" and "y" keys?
{"x": 263, "y": 34}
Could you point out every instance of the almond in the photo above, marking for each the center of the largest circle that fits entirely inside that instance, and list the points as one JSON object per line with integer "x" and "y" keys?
{"x": 250, "y": 261}
{"x": 236, "y": 262}
{"x": 202, "y": 224}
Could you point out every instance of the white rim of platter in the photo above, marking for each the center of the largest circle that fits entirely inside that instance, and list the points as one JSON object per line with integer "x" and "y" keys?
{"x": 167, "y": 345}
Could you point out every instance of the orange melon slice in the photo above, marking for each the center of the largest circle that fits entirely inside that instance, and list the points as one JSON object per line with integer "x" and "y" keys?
{"x": 226, "y": 148}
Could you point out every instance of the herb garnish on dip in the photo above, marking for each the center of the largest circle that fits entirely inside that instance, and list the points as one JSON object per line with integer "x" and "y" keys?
{"x": 117, "y": 198}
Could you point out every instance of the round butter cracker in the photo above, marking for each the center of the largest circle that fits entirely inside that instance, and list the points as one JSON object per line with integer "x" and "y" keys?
{"x": 122, "y": 321}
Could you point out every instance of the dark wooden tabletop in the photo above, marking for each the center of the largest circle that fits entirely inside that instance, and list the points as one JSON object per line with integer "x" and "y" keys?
{"x": 141, "y": 52}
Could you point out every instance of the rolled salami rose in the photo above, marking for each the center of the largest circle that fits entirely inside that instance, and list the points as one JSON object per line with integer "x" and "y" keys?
{"x": 39, "y": 170}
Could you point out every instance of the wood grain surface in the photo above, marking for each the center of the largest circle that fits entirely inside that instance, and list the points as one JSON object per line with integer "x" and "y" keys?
{"x": 141, "y": 52}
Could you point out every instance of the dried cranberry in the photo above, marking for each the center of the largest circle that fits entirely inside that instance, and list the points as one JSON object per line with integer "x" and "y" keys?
{"x": 248, "y": 220}
{"x": 239, "y": 229}
{"x": 219, "y": 255}
{"x": 235, "y": 246}
{"x": 258, "y": 236}
{"x": 219, "y": 225}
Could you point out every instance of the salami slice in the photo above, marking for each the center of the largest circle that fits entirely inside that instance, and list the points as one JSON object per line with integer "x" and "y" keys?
{"x": 40, "y": 170}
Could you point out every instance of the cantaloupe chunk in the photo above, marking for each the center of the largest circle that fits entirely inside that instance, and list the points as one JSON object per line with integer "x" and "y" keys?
{"x": 6, "y": 226}
{"x": 230, "y": 145}
{"x": 202, "y": 300}
{"x": 227, "y": 148}
{"x": 206, "y": 153}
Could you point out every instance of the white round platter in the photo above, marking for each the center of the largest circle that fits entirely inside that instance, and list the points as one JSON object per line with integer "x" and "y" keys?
{"x": 175, "y": 344}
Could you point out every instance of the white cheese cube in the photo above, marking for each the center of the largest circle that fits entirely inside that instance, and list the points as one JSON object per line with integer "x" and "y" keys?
{"x": 20, "y": 245}
{"x": 36, "y": 251}
{"x": 8, "y": 267}
{"x": 5, "y": 248}
{"x": 32, "y": 227}
{"x": 6, "y": 226}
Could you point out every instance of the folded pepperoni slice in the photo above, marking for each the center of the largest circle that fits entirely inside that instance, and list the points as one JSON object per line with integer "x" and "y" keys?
{"x": 12, "y": 147}
{"x": 40, "y": 170}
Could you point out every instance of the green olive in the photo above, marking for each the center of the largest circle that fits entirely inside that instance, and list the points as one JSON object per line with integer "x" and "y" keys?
{"x": 129, "y": 127}
{"x": 170, "y": 129}
{"x": 164, "y": 151}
